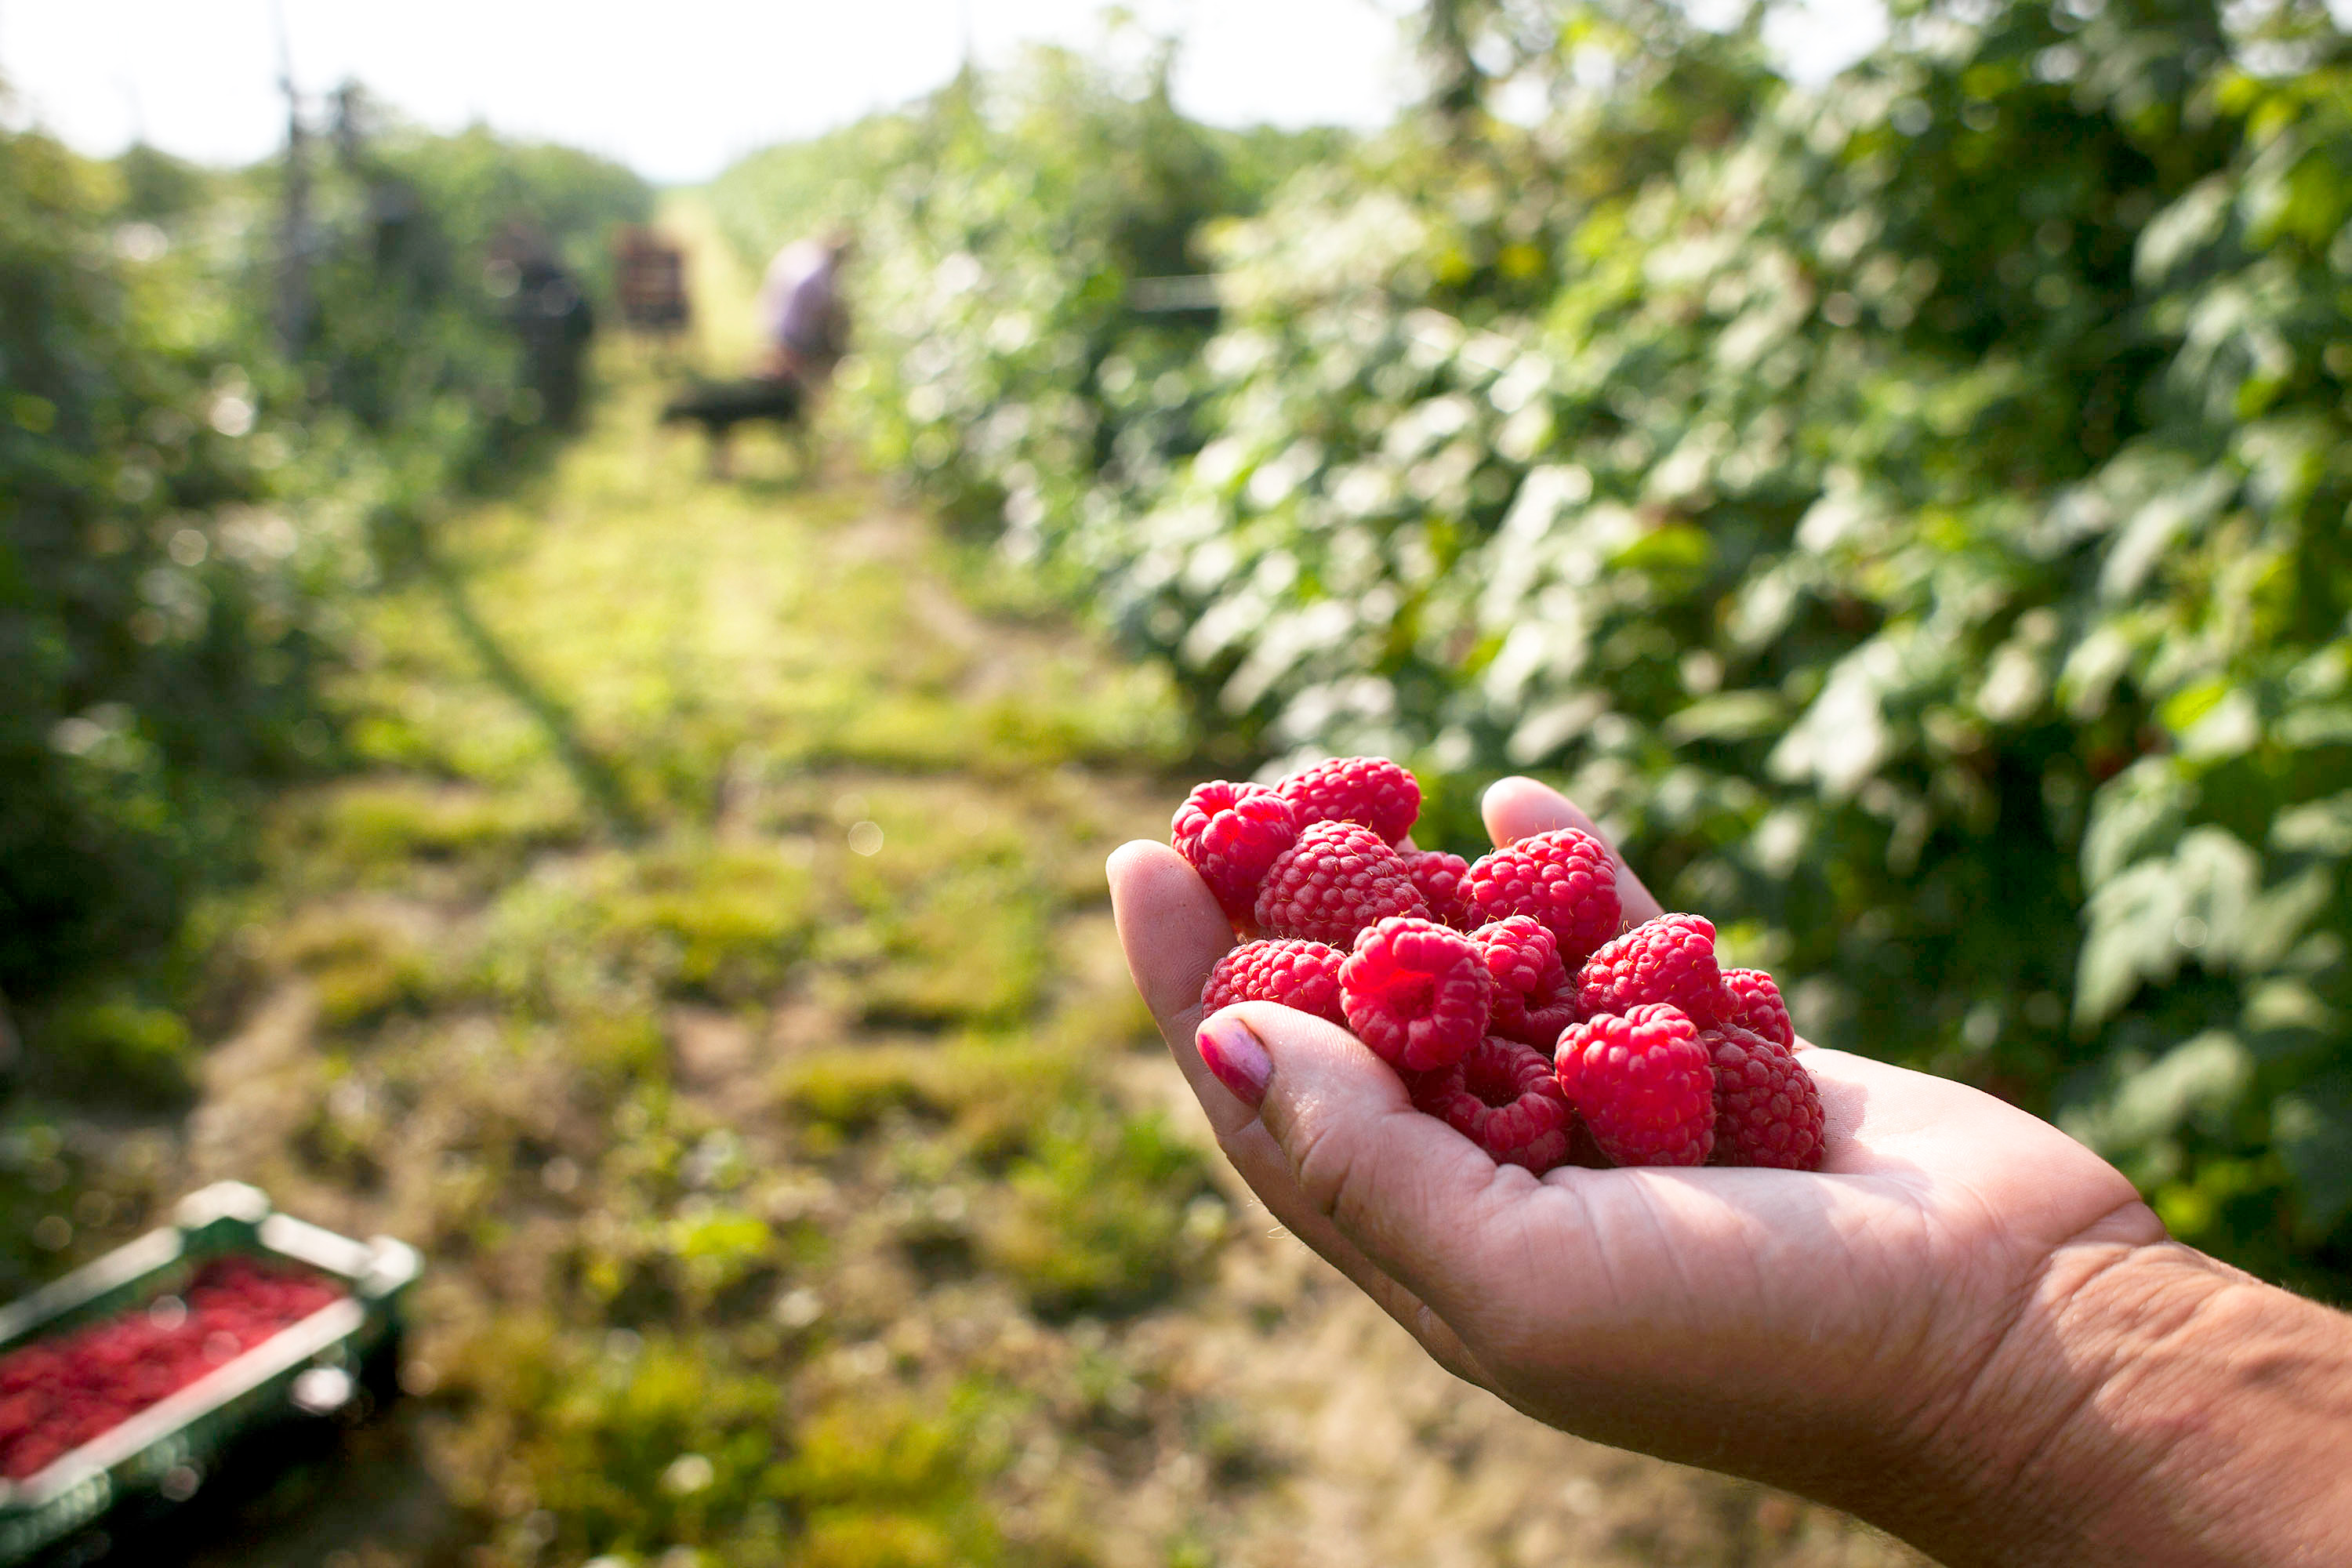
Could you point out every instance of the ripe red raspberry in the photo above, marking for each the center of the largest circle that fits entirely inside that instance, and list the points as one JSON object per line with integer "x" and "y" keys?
{"x": 1444, "y": 882}
{"x": 1768, "y": 1111}
{"x": 1670, "y": 959}
{"x": 1504, "y": 1098}
{"x": 1563, "y": 879}
{"x": 1752, "y": 999}
{"x": 1335, "y": 881}
{"x": 1231, "y": 833}
{"x": 1524, "y": 959}
{"x": 1415, "y": 991}
{"x": 1643, "y": 1084}
{"x": 1301, "y": 974}
{"x": 1372, "y": 791}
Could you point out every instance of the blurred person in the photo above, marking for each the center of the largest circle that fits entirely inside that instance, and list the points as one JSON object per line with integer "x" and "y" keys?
{"x": 806, "y": 326}
{"x": 551, "y": 314}
{"x": 803, "y": 312}
{"x": 1965, "y": 1328}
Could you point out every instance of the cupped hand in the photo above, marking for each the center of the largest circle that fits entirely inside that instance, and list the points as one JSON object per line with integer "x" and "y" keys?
{"x": 1851, "y": 1333}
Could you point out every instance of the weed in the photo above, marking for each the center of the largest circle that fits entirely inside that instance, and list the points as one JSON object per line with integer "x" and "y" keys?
{"x": 362, "y": 964}
{"x": 115, "y": 1042}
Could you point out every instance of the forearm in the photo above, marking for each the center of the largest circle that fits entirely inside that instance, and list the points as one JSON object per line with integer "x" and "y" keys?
{"x": 2152, "y": 1405}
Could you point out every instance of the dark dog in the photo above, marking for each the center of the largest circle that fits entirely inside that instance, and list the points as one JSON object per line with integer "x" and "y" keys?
{"x": 720, "y": 406}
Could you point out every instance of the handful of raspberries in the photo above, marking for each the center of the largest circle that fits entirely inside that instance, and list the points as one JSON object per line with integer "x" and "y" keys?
{"x": 1503, "y": 992}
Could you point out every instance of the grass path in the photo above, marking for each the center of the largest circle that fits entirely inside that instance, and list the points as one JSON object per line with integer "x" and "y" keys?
{"x": 707, "y": 963}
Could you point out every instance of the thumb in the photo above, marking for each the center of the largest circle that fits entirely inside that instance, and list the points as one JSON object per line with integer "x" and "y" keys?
{"x": 1411, "y": 1193}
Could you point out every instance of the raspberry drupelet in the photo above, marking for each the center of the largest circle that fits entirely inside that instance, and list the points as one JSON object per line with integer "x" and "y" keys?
{"x": 1444, "y": 882}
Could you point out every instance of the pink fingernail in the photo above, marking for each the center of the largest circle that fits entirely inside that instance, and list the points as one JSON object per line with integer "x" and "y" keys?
{"x": 1231, "y": 1050}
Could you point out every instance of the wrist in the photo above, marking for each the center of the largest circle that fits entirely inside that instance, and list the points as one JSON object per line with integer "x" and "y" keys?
{"x": 2148, "y": 1404}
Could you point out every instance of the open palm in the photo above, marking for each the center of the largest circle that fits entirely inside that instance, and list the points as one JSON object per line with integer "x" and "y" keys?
{"x": 1823, "y": 1330}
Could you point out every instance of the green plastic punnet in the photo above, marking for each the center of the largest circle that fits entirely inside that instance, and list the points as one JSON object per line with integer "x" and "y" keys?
{"x": 158, "y": 1457}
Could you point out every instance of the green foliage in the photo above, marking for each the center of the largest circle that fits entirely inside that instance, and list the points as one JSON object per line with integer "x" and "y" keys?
{"x": 426, "y": 328}
{"x": 150, "y": 609}
{"x": 115, "y": 1045}
{"x": 1911, "y": 515}
{"x": 188, "y": 506}
{"x": 1002, "y": 224}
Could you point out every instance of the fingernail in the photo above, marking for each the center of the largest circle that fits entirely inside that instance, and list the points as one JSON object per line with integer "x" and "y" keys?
{"x": 1231, "y": 1051}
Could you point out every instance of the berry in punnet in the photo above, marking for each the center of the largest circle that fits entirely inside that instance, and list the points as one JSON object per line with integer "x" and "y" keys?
{"x": 1416, "y": 993}
{"x": 1339, "y": 878}
{"x": 1301, "y": 974}
{"x": 1564, "y": 878}
{"x": 1752, "y": 999}
{"x": 1766, "y": 1109}
{"x": 1670, "y": 959}
{"x": 1524, "y": 959}
{"x": 1370, "y": 791}
{"x": 57, "y": 1393}
{"x": 1445, "y": 882}
{"x": 1643, "y": 1085}
{"x": 1505, "y": 1098}
{"x": 1231, "y": 833}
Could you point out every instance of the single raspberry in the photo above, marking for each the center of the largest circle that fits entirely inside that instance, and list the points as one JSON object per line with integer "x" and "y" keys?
{"x": 1767, "y": 1110}
{"x": 1563, "y": 877}
{"x": 1670, "y": 959}
{"x": 1372, "y": 791}
{"x": 1524, "y": 958}
{"x": 1506, "y": 1098}
{"x": 1301, "y": 974}
{"x": 1335, "y": 882}
{"x": 1415, "y": 991}
{"x": 1231, "y": 833}
{"x": 1752, "y": 999}
{"x": 1642, "y": 1083}
{"x": 1442, "y": 881}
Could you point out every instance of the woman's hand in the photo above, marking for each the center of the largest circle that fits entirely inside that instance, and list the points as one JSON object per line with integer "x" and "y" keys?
{"x": 1920, "y": 1332}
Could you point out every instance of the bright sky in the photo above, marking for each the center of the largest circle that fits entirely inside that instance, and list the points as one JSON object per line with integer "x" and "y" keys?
{"x": 678, "y": 88}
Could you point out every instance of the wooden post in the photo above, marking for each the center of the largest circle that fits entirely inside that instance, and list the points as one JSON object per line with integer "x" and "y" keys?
{"x": 294, "y": 302}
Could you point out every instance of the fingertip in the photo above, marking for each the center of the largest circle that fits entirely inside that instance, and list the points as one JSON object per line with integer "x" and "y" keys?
{"x": 1291, "y": 1033}
{"x": 1135, "y": 860}
{"x": 1234, "y": 1054}
{"x": 1517, "y": 806}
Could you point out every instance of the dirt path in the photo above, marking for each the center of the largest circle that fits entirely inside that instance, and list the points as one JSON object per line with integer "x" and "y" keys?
{"x": 709, "y": 967}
